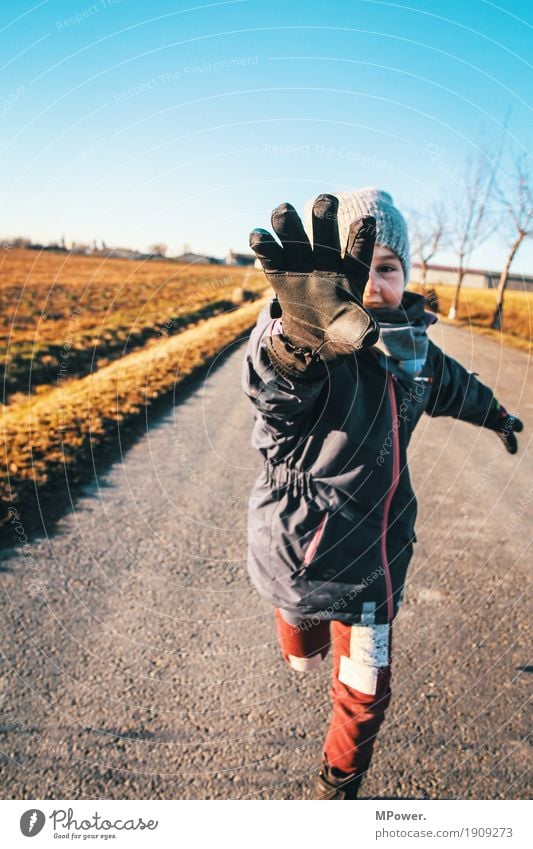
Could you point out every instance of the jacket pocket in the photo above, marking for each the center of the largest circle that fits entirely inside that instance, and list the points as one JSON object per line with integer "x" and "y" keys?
{"x": 314, "y": 543}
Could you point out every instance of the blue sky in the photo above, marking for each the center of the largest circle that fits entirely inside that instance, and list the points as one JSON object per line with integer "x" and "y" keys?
{"x": 187, "y": 123}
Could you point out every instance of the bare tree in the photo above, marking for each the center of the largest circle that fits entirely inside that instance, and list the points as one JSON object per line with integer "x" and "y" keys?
{"x": 159, "y": 249}
{"x": 428, "y": 234}
{"x": 517, "y": 214}
{"x": 473, "y": 218}
{"x": 20, "y": 242}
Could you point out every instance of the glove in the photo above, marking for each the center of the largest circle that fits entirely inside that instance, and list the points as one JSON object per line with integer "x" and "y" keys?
{"x": 318, "y": 293}
{"x": 505, "y": 425}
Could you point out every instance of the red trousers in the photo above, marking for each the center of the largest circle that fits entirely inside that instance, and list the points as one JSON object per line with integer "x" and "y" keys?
{"x": 356, "y": 715}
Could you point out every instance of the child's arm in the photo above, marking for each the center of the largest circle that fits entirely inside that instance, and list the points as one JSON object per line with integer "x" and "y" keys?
{"x": 457, "y": 392}
{"x": 275, "y": 394}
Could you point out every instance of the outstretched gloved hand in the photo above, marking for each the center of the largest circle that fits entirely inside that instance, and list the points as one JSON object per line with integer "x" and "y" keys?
{"x": 505, "y": 425}
{"x": 319, "y": 292}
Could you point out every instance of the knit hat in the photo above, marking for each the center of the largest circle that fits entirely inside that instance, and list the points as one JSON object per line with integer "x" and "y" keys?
{"x": 391, "y": 228}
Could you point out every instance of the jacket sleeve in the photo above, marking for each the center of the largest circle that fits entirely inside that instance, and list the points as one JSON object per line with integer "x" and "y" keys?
{"x": 275, "y": 396}
{"x": 456, "y": 391}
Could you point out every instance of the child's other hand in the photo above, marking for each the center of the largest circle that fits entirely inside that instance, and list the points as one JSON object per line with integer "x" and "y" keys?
{"x": 510, "y": 426}
{"x": 505, "y": 425}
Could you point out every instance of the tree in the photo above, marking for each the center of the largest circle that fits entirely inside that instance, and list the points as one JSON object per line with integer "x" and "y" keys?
{"x": 472, "y": 216}
{"x": 517, "y": 215}
{"x": 428, "y": 233}
{"x": 20, "y": 242}
{"x": 159, "y": 249}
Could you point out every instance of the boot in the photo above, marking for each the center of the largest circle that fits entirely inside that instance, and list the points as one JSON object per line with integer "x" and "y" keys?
{"x": 331, "y": 786}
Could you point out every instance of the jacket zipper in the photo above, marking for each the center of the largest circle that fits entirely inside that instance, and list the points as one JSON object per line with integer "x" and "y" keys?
{"x": 389, "y": 496}
{"x": 315, "y": 542}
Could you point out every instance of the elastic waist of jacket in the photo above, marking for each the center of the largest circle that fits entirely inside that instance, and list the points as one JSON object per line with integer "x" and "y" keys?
{"x": 282, "y": 476}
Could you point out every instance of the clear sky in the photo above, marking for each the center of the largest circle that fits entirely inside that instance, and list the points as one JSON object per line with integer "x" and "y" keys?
{"x": 187, "y": 122}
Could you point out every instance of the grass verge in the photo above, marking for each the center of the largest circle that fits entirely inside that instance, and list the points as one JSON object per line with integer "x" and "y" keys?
{"x": 476, "y": 309}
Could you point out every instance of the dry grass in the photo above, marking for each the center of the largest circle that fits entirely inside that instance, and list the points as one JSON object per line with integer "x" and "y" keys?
{"x": 477, "y": 308}
{"x": 63, "y": 429}
{"x": 90, "y": 344}
{"x": 87, "y": 311}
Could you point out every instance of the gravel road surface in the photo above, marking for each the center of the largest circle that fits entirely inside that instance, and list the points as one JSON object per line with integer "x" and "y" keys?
{"x": 138, "y": 662}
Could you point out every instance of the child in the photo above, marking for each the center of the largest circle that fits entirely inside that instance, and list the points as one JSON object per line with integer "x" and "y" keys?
{"x": 339, "y": 371}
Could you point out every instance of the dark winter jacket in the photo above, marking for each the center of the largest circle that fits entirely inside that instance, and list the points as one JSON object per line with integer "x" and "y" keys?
{"x": 332, "y": 514}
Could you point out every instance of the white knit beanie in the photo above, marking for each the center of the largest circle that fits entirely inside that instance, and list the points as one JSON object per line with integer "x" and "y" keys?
{"x": 391, "y": 228}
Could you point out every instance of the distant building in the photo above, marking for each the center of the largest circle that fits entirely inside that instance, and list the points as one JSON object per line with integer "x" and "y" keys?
{"x": 233, "y": 258}
{"x": 197, "y": 259}
{"x": 121, "y": 253}
{"x": 474, "y": 278}
{"x": 77, "y": 248}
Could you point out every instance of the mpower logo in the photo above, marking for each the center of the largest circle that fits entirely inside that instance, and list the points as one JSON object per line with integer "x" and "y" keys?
{"x": 31, "y": 822}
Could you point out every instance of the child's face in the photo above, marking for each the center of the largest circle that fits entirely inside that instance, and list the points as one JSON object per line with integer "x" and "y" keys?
{"x": 386, "y": 280}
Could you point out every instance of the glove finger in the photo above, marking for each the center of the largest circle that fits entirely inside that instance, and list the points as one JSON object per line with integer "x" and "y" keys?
{"x": 296, "y": 246}
{"x": 326, "y": 244}
{"x": 510, "y": 441}
{"x": 359, "y": 249}
{"x": 267, "y": 250}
